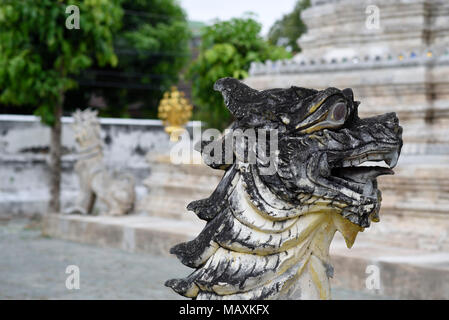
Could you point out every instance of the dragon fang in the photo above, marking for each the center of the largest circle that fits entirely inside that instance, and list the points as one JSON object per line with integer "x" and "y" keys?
{"x": 268, "y": 236}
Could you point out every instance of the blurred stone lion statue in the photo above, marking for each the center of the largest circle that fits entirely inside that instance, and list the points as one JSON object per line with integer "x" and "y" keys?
{"x": 114, "y": 190}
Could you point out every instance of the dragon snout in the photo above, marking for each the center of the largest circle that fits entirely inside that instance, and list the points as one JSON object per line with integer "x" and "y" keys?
{"x": 383, "y": 128}
{"x": 392, "y": 123}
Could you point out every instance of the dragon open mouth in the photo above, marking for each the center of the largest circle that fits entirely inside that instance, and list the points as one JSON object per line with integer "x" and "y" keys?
{"x": 360, "y": 172}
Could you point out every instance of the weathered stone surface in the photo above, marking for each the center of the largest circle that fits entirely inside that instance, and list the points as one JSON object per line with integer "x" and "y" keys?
{"x": 24, "y": 145}
{"x": 268, "y": 233}
{"x": 115, "y": 190}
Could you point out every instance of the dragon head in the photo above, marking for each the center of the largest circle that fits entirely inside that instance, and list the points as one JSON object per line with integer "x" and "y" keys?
{"x": 325, "y": 150}
{"x": 268, "y": 232}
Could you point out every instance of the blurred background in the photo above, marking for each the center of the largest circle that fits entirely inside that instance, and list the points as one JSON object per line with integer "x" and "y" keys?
{"x": 123, "y": 57}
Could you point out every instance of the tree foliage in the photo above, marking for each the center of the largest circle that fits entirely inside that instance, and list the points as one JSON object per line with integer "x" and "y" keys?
{"x": 152, "y": 45}
{"x": 227, "y": 50}
{"x": 286, "y": 31}
{"x": 39, "y": 56}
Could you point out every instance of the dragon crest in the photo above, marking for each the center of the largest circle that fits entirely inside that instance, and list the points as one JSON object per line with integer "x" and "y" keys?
{"x": 268, "y": 235}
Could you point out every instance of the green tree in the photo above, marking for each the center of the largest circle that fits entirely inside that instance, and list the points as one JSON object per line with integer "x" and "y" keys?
{"x": 227, "y": 50}
{"x": 289, "y": 28}
{"x": 39, "y": 57}
{"x": 152, "y": 46}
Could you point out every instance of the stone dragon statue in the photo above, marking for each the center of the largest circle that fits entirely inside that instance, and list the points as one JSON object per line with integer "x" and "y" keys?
{"x": 116, "y": 191}
{"x": 268, "y": 235}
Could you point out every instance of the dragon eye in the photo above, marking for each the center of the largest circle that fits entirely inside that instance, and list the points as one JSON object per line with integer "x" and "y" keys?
{"x": 339, "y": 112}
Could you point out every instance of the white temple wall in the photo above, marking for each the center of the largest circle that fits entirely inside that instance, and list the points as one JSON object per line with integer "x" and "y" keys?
{"x": 24, "y": 170}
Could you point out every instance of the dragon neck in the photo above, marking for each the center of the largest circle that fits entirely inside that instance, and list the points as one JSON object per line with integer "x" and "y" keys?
{"x": 312, "y": 278}
{"x": 261, "y": 247}
{"x": 315, "y": 227}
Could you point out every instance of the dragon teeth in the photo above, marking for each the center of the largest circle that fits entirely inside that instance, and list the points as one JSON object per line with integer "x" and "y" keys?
{"x": 392, "y": 159}
{"x": 374, "y": 164}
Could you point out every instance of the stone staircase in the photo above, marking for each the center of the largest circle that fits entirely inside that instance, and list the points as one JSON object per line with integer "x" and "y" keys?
{"x": 172, "y": 187}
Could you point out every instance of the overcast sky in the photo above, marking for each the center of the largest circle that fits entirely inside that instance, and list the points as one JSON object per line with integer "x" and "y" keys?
{"x": 268, "y": 11}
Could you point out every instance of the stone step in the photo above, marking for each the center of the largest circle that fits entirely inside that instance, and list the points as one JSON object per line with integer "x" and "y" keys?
{"x": 404, "y": 273}
{"x": 163, "y": 164}
{"x": 167, "y": 206}
{"x": 186, "y": 190}
{"x": 417, "y": 230}
{"x": 171, "y": 212}
{"x": 134, "y": 233}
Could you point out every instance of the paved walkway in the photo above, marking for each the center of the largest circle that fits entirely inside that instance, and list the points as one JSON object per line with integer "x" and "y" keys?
{"x": 33, "y": 267}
